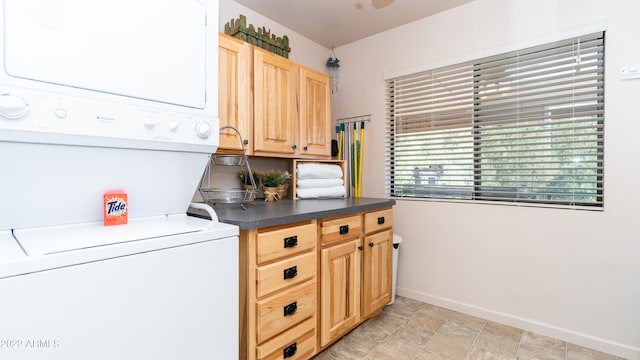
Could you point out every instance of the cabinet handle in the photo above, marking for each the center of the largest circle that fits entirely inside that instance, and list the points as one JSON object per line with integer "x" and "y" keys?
{"x": 290, "y": 350}
{"x": 371, "y": 244}
{"x": 381, "y": 220}
{"x": 305, "y": 148}
{"x": 294, "y": 146}
{"x": 291, "y": 241}
{"x": 246, "y": 142}
{"x": 360, "y": 247}
{"x": 344, "y": 229}
{"x": 290, "y": 309}
{"x": 291, "y": 272}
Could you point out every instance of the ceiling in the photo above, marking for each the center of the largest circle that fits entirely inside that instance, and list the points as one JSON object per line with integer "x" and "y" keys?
{"x": 333, "y": 23}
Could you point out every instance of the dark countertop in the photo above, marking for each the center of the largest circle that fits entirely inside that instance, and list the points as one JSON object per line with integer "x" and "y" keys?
{"x": 260, "y": 214}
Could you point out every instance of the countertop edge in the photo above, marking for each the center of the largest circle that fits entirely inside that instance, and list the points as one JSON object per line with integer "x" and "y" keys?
{"x": 283, "y": 212}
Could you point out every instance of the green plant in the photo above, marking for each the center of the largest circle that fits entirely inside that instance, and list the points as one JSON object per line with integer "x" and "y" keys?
{"x": 245, "y": 179}
{"x": 333, "y": 63}
{"x": 272, "y": 178}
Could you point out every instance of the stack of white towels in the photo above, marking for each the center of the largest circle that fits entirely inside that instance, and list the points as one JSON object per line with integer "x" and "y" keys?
{"x": 314, "y": 180}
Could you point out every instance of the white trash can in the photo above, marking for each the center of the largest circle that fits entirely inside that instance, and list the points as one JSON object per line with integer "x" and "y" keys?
{"x": 397, "y": 239}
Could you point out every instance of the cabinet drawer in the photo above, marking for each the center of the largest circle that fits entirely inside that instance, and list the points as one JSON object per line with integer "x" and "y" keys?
{"x": 279, "y": 275}
{"x": 285, "y": 242}
{"x": 284, "y": 310}
{"x": 298, "y": 342}
{"x": 341, "y": 229}
{"x": 378, "y": 220}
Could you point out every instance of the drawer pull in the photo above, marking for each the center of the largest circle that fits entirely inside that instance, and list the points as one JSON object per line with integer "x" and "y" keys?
{"x": 370, "y": 244}
{"x": 291, "y": 308}
{"x": 344, "y": 229}
{"x": 291, "y": 272}
{"x": 360, "y": 247}
{"x": 291, "y": 241}
{"x": 290, "y": 350}
{"x": 381, "y": 220}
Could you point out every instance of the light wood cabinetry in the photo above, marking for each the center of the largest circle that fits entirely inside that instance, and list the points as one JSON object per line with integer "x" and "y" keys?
{"x": 355, "y": 271}
{"x": 305, "y": 285}
{"x": 376, "y": 272}
{"x": 282, "y": 109}
{"x": 340, "y": 289}
{"x": 299, "y": 342}
{"x": 377, "y": 264}
{"x": 340, "y": 268}
{"x": 284, "y": 310}
{"x": 276, "y": 116}
{"x": 278, "y": 292}
{"x": 315, "y": 113}
{"x": 234, "y": 92}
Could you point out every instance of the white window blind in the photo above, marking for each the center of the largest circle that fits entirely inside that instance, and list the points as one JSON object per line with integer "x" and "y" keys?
{"x": 525, "y": 126}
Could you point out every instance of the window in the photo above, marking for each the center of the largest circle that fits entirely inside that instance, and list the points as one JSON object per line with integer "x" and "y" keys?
{"x": 521, "y": 127}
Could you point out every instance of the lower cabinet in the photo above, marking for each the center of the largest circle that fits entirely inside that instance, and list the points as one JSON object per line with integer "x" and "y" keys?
{"x": 378, "y": 257}
{"x": 278, "y": 292}
{"x": 340, "y": 289}
{"x": 299, "y": 342}
{"x": 355, "y": 271}
{"x": 305, "y": 285}
{"x": 376, "y": 272}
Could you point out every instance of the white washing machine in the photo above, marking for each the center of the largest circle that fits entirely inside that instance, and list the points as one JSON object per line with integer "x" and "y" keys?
{"x": 158, "y": 288}
{"x": 99, "y": 97}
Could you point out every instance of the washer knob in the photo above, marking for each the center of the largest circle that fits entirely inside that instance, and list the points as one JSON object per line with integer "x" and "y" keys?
{"x": 173, "y": 125}
{"x": 60, "y": 113}
{"x": 12, "y": 107}
{"x": 203, "y": 129}
{"x": 150, "y": 123}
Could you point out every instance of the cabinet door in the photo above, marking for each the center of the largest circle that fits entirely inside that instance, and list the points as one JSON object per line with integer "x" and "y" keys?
{"x": 377, "y": 271}
{"x": 275, "y": 103}
{"x": 234, "y": 91}
{"x": 315, "y": 113}
{"x": 340, "y": 289}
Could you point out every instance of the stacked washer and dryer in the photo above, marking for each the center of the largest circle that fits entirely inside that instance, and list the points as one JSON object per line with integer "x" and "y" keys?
{"x": 99, "y": 96}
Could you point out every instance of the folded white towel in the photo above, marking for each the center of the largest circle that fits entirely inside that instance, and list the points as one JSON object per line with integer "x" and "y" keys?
{"x": 329, "y": 192}
{"x": 318, "y": 171}
{"x": 318, "y": 183}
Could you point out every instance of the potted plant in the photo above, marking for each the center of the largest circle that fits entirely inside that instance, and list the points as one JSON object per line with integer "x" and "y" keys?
{"x": 270, "y": 181}
{"x": 284, "y": 185}
{"x": 245, "y": 179}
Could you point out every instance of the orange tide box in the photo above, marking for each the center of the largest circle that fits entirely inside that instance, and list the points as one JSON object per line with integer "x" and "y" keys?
{"x": 116, "y": 208}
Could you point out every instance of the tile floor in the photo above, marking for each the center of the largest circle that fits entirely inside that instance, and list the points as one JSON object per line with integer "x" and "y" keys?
{"x": 412, "y": 330}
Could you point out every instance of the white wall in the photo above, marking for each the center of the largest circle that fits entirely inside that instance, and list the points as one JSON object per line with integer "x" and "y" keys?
{"x": 303, "y": 50}
{"x": 570, "y": 274}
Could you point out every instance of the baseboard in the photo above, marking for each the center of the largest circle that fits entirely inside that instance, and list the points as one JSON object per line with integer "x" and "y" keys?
{"x": 607, "y": 346}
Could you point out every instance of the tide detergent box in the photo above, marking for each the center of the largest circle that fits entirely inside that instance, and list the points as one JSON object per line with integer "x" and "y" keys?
{"x": 116, "y": 208}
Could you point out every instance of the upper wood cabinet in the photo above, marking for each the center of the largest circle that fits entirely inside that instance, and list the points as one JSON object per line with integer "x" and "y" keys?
{"x": 315, "y": 113}
{"x": 281, "y": 108}
{"x": 275, "y": 102}
{"x": 234, "y": 92}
